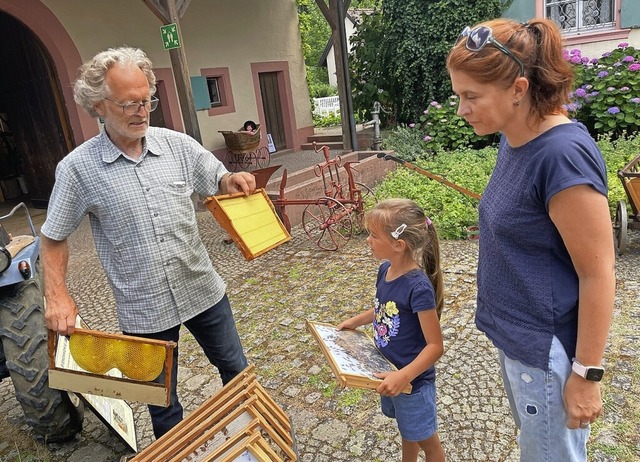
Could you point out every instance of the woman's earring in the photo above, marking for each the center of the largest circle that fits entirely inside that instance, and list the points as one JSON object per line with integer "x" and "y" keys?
{"x": 516, "y": 102}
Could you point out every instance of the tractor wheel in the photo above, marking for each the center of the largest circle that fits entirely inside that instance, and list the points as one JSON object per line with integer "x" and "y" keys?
{"x": 54, "y": 415}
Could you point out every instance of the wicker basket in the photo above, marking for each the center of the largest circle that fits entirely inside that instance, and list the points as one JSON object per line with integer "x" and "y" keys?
{"x": 239, "y": 143}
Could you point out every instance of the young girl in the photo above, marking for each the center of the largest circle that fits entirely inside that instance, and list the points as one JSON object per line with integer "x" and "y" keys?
{"x": 405, "y": 320}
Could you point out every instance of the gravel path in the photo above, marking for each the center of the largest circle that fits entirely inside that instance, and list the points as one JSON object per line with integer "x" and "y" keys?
{"x": 272, "y": 297}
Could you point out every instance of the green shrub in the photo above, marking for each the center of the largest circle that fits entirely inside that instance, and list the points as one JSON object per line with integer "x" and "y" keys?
{"x": 406, "y": 142}
{"x": 330, "y": 120}
{"x": 606, "y": 97}
{"x": 452, "y": 211}
{"x": 618, "y": 153}
{"x": 444, "y": 129}
{"x": 439, "y": 129}
{"x": 322, "y": 90}
{"x": 371, "y": 79}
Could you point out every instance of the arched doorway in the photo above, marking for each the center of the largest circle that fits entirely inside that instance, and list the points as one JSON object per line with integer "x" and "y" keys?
{"x": 34, "y": 120}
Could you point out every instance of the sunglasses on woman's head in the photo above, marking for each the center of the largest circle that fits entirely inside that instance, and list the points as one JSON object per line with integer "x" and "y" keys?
{"x": 480, "y": 37}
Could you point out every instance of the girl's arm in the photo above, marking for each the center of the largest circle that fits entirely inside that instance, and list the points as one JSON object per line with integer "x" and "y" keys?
{"x": 395, "y": 382}
{"x": 366, "y": 317}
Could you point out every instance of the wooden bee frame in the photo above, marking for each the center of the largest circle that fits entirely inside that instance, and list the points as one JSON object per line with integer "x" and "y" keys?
{"x": 352, "y": 356}
{"x": 251, "y": 221}
{"x": 240, "y": 418}
{"x": 65, "y": 374}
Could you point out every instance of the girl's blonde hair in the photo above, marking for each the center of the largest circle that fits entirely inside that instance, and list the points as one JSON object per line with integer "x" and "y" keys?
{"x": 419, "y": 234}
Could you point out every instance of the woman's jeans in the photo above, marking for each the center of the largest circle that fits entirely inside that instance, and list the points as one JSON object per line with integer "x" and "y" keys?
{"x": 215, "y": 331}
{"x": 535, "y": 397}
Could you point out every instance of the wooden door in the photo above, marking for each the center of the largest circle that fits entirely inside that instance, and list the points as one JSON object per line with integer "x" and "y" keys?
{"x": 272, "y": 104}
{"x": 156, "y": 118}
{"x": 31, "y": 99}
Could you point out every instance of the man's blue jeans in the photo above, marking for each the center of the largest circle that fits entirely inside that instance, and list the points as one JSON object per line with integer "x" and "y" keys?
{"x": 537, "y": 405}
{"x": 215, "y": 331}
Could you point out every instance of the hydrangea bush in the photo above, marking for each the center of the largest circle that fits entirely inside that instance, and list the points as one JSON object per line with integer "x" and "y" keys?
{"x": 443, "y": 129}
{"x": 607, "y": 92}
{"x": 606, "y": 99}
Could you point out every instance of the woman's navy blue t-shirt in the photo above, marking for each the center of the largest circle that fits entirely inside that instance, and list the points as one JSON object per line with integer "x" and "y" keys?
{"x": 527, "y": 284}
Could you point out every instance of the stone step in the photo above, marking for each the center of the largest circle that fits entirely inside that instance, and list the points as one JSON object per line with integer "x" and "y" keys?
{"x": 331, "y": 144}
{"x": 325, "y": 138}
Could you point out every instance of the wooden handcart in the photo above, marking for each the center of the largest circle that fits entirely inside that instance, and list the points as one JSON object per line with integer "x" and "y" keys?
{"x": 329, "y": 220}
{"x": 243, "y": 151}
{"x": 624, "y": 221}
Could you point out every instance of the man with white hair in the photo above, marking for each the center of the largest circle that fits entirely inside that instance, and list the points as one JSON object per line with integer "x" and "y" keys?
{"x": 135, "y": 183}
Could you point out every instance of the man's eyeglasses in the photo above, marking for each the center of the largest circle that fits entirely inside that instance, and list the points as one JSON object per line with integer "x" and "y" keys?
{"x": 480, "y": 37}
{"x": 134, "y": 108}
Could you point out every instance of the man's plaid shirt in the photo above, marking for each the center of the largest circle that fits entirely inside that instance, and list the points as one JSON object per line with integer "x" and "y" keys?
{"x": 144, "y": 224}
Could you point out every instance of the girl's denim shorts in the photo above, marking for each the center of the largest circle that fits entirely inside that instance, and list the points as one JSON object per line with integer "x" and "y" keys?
{"x": 415, "y": 413}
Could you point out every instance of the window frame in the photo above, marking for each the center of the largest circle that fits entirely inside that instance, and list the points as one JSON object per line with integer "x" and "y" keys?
{"x": 581, "y": 28}
{"x": 221, "y": 74}
{"x": 215, "y": 81}
{"x": 592, "y": 36}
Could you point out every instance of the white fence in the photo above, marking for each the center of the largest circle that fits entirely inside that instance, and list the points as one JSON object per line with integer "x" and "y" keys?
{"x": 325, "y": 106}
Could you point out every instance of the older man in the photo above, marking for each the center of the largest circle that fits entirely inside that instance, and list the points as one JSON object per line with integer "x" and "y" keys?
{"x": 135, "y": 183}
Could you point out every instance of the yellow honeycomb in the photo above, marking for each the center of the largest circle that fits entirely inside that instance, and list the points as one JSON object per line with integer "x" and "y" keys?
{"x": 137, "y": 361}
{"x": 91, "y": 353}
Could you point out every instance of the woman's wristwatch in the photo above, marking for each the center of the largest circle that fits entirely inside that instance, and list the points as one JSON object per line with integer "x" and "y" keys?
{"x": 592, "y": 373}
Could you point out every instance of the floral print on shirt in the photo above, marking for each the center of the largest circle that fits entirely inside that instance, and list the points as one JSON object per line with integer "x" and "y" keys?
{"x": 386, "y": 322}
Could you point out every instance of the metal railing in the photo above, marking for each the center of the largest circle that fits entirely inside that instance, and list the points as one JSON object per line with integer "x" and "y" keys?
{"x": 325, "y": 106}
{"x": 575, "y": 16}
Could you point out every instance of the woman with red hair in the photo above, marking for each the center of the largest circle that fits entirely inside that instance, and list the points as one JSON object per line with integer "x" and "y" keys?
{"x": 546, "y": 280}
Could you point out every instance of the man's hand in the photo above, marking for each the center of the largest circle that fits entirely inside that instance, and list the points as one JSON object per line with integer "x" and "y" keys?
{"x": 582, "y": 400}
{"x": 60, "y": 309}
{"x": 236, "y": 182}
{"x": 60, "y": 315}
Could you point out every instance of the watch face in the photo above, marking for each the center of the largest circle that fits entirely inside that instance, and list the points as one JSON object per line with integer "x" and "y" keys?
{"x": 594, "y": 374}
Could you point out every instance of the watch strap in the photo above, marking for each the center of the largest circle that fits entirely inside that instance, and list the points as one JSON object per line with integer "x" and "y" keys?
{"x": 592, "y": 373}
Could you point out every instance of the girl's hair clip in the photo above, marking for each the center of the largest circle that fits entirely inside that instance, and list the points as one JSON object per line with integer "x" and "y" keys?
{"x": 399, "y": 230}
{"x": 428, "y": 221}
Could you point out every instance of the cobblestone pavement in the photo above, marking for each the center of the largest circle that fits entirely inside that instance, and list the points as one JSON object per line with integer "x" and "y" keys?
{"x": 273, "y": 295}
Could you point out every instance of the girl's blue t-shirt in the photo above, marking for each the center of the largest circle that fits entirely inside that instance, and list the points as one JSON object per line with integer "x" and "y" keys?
{"x": 527, "y": 284}
{"x": 397, "y": 331}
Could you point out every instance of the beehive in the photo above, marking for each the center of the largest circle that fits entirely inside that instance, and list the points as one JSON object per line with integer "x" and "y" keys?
{"x": 251, "y": 221}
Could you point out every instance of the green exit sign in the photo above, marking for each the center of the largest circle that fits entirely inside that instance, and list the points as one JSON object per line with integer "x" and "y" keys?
{"x": 170, "y": 36}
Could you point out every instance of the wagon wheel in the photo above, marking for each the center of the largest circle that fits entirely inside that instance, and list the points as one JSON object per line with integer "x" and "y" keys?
{"x": 238, "y": 161}
{"x": 263, "y": 157}
{"x": 367, "y": 200}
{"x": 249, "y": 161}
{"x": 327, "y": 223}
{"x": 620, "y": 228}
